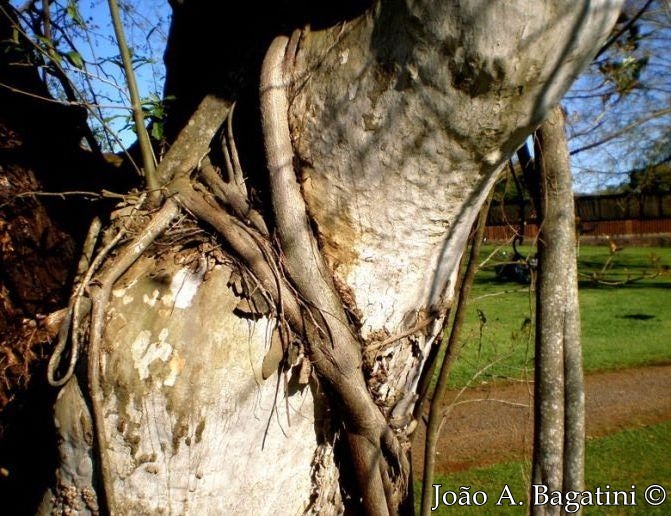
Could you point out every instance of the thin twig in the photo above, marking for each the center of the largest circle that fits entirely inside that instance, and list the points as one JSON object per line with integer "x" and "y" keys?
{"x": 624, "y": 29}
{"x": 73, "y": 95}
{"x": 401, "y": 335}
{"x": 84, "y": 104}
{"x": 495, "y": 400}
{"x": 148, "y": 160}
{"x": 501, "y": 293}
{"x": 451, "y": 352}
{"x": 27, "y": 5}
{"x": 103, "y": 194}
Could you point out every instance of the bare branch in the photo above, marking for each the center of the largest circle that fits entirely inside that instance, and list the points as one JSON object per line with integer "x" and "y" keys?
{"x": 624, "y": 29}
{"x": 148, "y": 159}
{"x": 193, "y": 141}
{"x": 623, "y": 131}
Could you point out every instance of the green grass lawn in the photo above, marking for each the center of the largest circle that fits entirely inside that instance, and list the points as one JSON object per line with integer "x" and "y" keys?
{"x": 623, "y": 325}
{"x": 639, "y": 457}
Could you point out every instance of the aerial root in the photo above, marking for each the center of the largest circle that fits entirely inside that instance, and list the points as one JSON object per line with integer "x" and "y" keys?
{"x": 305, "y": 300}
{"x": 70, "y": 327}
{"x": 254, "y": 250}
{"x": 335, "y": 347}
{"x": 180, "y": 160}
{"x": 178, "y": 164}
{"x": 232, "y": 192}
{"x": 100, "y": 290}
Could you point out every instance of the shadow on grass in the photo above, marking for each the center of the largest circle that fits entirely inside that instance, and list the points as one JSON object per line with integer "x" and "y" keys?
{"x": 663, "y": 284}
{"x": 637, "y": 317}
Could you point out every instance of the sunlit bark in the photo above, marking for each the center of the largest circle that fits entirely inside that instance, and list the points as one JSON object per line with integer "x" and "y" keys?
{"x": 399, "y": 122}
{"x": 559, "y": 392}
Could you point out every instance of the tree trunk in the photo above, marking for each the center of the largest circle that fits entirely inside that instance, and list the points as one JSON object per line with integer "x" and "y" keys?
{"x": 395, "y": 125}
{"x": 558, "y": 461}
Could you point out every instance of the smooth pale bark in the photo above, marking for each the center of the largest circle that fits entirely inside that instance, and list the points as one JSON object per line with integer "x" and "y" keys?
{"x": 192, "y": 427}
{"x": 401, "y": 127}
{"x": 400, "y": 122}
{"x": 559, "y": 427}
{"x": 403, "y": 121}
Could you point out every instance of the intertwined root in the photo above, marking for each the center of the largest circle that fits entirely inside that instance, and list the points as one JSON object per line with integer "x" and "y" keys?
{"x": 298, "y": 287}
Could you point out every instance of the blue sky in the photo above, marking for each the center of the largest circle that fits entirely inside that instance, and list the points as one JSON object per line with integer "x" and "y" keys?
{"x": 592, "y": 104}
{"x": 146, "y": 24}
{"x": 101, "y": 83}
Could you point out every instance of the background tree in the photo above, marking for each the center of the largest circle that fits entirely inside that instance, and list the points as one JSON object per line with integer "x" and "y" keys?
{"x": 619, "y": 110}
{"x": 254, "y": 341}
{"x": 559, "y": 394}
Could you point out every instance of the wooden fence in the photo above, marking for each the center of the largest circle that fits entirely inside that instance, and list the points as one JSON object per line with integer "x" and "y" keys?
{"x": 596, "y": 215}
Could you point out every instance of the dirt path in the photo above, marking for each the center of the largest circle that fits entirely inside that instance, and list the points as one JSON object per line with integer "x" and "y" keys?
{"x": 491, "y": 424}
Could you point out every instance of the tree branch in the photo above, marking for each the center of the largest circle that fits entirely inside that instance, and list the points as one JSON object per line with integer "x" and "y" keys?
{"x": 624, "y": 29}
{"x": 193, "y": 141}
{"x": 148, "y": 161}
{"x": 623, "y": 131}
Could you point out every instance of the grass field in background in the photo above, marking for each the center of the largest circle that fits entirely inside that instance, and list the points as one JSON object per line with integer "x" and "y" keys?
{"x": 622, "y": 325}
{"x": 641, "y": 457}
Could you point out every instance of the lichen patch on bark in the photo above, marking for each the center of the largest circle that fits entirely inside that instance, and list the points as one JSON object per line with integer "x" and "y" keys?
{"x": 193, "y": 372}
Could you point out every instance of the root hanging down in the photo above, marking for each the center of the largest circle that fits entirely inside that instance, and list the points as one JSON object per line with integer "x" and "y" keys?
{"x": 100, "y": 290}
{"x": 292, "y": 276}
{"x": 71, "y": 325}
{"x": 336, "y": 352}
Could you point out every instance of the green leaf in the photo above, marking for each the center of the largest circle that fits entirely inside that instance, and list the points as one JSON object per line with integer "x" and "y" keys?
{"x": 73, "y": 12}
{"x": 75, "y": 59}
{"x": 45, "y": 41}
{"x": 157, "y": 130}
